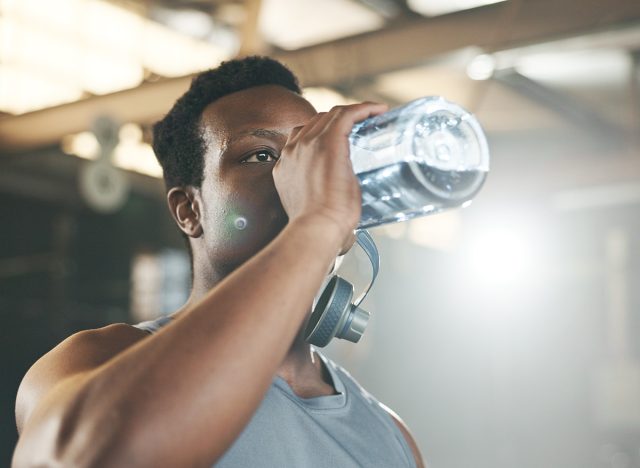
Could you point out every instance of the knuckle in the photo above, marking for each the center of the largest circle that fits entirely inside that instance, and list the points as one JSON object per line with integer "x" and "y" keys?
{"x": 324, "y": 137}
{"x": 306, "y": 139}
{"x": 287, "y": 148}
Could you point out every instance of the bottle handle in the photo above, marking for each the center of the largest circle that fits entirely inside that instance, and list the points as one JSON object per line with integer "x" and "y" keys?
{"x": 366, "y": 243}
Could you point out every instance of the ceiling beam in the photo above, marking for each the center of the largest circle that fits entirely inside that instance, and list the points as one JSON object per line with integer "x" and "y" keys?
{"x": 570, "y": 108}
{"x": 500, "y": 26}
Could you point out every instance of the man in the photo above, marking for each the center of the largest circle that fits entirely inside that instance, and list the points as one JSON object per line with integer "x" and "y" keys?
{"x": 228, "y": 379}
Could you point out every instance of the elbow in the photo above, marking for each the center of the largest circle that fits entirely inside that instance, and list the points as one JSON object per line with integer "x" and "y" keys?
{"x": 22, "y": 459}
{"x": 71, "y": 434}
{"x": 79, "y": 449}
{"x": 33, "y": 453}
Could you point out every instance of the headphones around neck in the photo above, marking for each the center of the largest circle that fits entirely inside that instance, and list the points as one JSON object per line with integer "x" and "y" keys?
{"x": 334, "y": 315}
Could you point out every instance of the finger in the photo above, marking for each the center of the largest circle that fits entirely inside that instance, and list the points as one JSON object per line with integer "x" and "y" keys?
{"x": 303, "y": 130}
{"x": 293, "y": 135}
{"x": 318, "y": 124}
{"x": 343, "y": 118}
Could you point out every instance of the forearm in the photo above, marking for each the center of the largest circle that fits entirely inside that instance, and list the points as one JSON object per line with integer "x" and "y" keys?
{"x": 181, "y": 398}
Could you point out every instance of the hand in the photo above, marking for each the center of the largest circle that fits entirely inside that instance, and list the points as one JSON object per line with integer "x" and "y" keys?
{"x": 314, "y": 176}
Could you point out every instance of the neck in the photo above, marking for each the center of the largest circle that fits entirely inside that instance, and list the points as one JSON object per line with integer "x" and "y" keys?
{"x": 301, "y": 368}
{"x": 299, "y": 362}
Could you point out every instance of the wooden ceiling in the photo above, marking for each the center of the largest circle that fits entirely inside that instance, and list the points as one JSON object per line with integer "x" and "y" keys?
{"x": 350, "y": 64}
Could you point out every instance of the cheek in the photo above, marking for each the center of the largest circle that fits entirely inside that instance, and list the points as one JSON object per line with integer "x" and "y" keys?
{"x": 242, "y": 218}
{"x": 260, "y": 209}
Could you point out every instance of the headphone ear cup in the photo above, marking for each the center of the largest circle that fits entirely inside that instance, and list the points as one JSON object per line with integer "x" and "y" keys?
{"x": 330, "y": 312}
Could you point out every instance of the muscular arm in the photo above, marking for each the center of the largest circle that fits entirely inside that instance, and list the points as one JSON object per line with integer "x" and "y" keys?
{"x": 181, "y": 398}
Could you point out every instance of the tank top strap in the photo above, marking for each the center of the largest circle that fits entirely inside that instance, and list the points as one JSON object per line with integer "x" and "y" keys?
{"x": 152, "y": 326}
{"x": 381, "y": 411}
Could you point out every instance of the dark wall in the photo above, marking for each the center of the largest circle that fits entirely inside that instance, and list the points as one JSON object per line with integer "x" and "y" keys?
{"x": 64, "y": 269}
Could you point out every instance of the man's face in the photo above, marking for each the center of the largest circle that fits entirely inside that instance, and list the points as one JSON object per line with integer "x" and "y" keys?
{"x": 244, "y": 134}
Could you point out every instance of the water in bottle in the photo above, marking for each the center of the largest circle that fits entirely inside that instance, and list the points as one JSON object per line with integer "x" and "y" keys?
{"x": 418, "y": 159}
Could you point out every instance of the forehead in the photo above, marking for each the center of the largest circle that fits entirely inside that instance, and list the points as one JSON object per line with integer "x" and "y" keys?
{"x": 267, "y": 107}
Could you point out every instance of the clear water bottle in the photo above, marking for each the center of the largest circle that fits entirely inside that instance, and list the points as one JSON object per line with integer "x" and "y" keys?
{"x": 418, "y": 159}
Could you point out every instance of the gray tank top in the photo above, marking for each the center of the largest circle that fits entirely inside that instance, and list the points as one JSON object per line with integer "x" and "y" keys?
{"x": 347, "y": 430}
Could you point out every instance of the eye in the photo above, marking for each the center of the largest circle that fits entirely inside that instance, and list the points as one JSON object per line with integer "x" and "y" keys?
{"x": 261, "y": 156}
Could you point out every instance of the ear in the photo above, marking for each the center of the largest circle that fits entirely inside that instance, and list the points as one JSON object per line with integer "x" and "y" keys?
{"x": 184, "y": 205}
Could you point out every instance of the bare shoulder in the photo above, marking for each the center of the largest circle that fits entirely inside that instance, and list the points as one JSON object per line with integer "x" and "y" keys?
{"x": 81, "y": 352}
{"x": 407, "y": 434}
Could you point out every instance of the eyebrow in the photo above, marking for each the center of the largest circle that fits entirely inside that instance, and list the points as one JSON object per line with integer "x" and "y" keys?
{"x": 258, "y": 132}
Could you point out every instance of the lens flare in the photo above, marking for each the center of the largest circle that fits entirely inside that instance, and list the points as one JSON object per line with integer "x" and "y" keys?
{"x": 240, "y": 223}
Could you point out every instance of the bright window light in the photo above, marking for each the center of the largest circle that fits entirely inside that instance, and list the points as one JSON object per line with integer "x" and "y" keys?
{"x": 105, "y": 73}
{"x": 23, "y": 90}
{"x": 397, "y": 231}
{"x": 481, "y": 67}
{"x": 84, "y": 145}
{"x": 439, "y": 231}
{"x": 146, "y": 283}
{"x": 323, "y": 99}
{"x": 439, "y": 80}
{"x": 192, "y": 23}
{"x": 168, "y": 53}
{"x": 25, "y": 44}
{"x": 108, "y": 27}
{"x": 138, "y": 157}
{"x": 47, "y": 14}
{"x": 130, "y": 133}
{"x": 577, "y": 67}
{"x": 295, "y": 24}
{"x": 131, "y": 153}
{"x": 441, "y": 7}
{"x": 501, "y": 256}
{"x": 159, "y": 283}
{"x": 59, "y": 50}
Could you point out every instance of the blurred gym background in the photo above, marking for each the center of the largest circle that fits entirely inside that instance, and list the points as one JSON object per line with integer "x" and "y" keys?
{"x": 505, "y": 334}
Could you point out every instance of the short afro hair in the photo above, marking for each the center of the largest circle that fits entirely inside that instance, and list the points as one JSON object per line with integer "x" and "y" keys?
{"x": 177, "y": 138}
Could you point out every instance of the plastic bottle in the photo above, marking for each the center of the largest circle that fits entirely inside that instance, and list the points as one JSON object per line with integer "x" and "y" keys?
{"x": 418, "y": 159}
